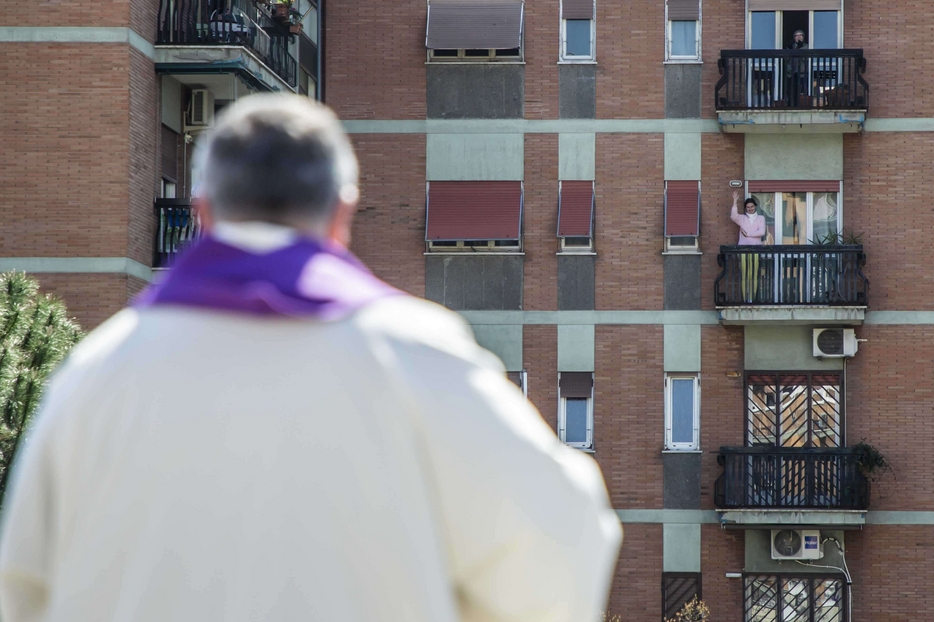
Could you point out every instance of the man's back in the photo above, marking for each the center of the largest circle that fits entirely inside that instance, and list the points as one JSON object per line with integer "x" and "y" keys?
{"x": 203, "y": 465}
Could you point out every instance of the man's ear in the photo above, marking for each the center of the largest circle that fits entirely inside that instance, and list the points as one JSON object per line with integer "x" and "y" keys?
{"x": 205, "y": 212}
{"x": 340, "y": 226}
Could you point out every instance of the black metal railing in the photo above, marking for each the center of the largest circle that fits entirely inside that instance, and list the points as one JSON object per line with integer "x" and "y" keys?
{"x": 792, "y": 80}
{"x": 791, "y": 275}
{"x": 229, "y": 22}
{"x": 176, "y": 226}
{"x": 790, "y": 477}
{"x": 796, "y": 598}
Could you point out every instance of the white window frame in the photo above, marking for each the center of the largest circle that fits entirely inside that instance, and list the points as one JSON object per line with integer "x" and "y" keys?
{"x": 491, "y": 57}
{"x": 587, "y": 445}
{"x": 476, "y": 246}
{"x": 670, "y": 445}
{"x": 576, "y": 249}
{"x": 696, "y": 58}
{"x": 779, "y": 23}
{"x": 575, "y": 58}
{"x": 809, "y": 226}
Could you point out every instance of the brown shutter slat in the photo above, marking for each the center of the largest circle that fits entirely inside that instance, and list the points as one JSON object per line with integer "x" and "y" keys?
{"x": 682, "y": 208}
{"x": 474, "y": 210}
{"x": 575, "y": 209}
{"x": 794, "y": 186}
{"x": 456, "y": 25}
{"x": 794, "y": 5}
{"x": 683, "y": 10}
{"x": 576, "y": 384}
{"x": 577, "y": 9}
{"x": 169, "y": 148}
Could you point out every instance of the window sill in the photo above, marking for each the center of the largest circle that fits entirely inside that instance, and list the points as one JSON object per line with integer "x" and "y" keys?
{"x": 584, "y": 451}
{"x": 572, "y": 253}
{"x": 682, "y": 451}
{"x": 577, "y": 62}
{"x": 682, "y": 253}
{"x": 474, "y": 62}
{"x": 472, "y": 254}
{"x": 686, "y": 61}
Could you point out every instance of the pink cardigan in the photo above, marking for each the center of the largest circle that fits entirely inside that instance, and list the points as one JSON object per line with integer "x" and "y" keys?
{"x": 756, "y": 228}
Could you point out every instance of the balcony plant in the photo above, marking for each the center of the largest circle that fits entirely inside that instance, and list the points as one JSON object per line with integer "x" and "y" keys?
{"x": 838, "y": 238}
{"x": 282, "y": 9}
{"x": 695, "y": 610}
{"x": 871, "y": 462}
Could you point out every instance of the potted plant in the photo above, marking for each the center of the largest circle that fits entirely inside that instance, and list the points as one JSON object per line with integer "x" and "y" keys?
{"x": 295, "y": 28}
{"x": 695, "y": 610}
{"x": 282, "y": 9}
{"x": 870, "y": 461}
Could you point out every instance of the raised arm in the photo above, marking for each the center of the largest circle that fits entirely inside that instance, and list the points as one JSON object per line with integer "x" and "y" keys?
{"x": 734, "y": 211}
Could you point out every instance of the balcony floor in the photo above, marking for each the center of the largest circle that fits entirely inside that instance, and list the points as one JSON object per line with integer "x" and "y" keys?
{"x": 792, "y": 315}
{"x": 782, "y": 519}
{"x": 792, "y": 121}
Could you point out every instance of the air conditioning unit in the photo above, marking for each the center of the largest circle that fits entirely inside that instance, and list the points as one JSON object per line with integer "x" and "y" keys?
{"x": 796, "y": 544}
{"x": 201, "y": 111}
{"x": 834, "y": 342}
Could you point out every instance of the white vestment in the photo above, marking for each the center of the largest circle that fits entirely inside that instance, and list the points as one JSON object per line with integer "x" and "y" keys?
{"x": 198, "y": 465}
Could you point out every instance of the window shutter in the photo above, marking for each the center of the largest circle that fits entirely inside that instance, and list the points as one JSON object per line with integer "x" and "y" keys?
{"x": 683, "y": 10}
{"x": 577, "y": 9}
{"x": 576, "y": 384}
{"x": 474, "y": 210}
{"x": 515, "y": 377}
{"x": 575, "y": 209}
{"x": 794, "y": 186}
{"x": 478, "y": 25}
{"x": 682, "y": 208}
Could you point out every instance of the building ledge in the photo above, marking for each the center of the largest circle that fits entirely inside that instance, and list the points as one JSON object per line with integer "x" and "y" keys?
{"x": 217, "y": 58}
{"x": 782, "y": 519}
{"x": 792, "y": 121}
{"x": 792, "y": 315}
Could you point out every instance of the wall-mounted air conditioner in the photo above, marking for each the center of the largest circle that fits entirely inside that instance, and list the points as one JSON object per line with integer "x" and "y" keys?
{"x": 201, "y": 110}
{"x": 796, "y": 544}
{"x": 834, "y": 342}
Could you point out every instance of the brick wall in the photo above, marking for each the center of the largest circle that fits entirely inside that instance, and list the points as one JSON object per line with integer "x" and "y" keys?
{"x": 636, "y": 593}
{"x": 144, "y": 164}
{"x": 375, "y": 59}
{"x": 542, "y": 50}
{"x": 540, "y": 222}
{"x": 630, "y": 191}
{"x": 389, "y": 227}
{"x": 540, "y": 360}
{"x": 71, "y": 13}
{"x": 722, "y": 551}
{"x": 90, "y": 298}
{"x": 723, "y": 27}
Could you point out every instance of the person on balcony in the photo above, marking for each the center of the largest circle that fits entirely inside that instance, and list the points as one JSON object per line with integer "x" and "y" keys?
{"x": 751, "y": 230}
{"x": 796, "y": 73}
{"x": 272, "y": 433}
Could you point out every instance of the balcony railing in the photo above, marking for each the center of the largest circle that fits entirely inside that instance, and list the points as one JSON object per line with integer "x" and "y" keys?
{"x": 780, "y": 80}
{"x": 791, "y": 275}
{"x": 228, "y": 22}
{"x": 790, "y": 478}
{"x": 176, "y": 226}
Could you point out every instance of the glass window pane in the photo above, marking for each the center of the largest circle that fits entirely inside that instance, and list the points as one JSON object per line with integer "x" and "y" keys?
{"x": 578, "y": 37}
{"x": 683, "y": 39}
{"x": 795, "y": 601}
{"x": 794, "y": 217}
{"x": 767, "y": 208}
{"x": 682, "y": 410}
{"x": 825, "y": 30}
{"x": 763, "y": 30}
{"x": 828, "y": 600}
{"x": 824, "y": 216}
{"x": 575, "y": 425}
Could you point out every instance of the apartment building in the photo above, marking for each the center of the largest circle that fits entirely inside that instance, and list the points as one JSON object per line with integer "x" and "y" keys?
{"x": 561, "y": 173}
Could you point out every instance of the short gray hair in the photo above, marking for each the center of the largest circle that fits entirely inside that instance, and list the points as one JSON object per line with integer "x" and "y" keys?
{"x": 277, "y": 158}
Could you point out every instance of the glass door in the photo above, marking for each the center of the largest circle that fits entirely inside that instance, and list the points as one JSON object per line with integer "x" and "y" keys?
{"x": 763, "y": 79}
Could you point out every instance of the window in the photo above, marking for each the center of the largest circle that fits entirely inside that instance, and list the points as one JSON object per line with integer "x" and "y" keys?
{"x": 520, "y": 379}
{"x": 794, "y": 409}
{"x": 682, "y": 412}
{"x": 790, "y": 598}
{"x": 774, "y": 29}
{"x": 167, "y": 189}
{"x": 682, "y": 216}
{"x": 577, "y": 30}
{"x": 468, "y": 31}
{"x": 575, "y": 410}
{"x": 678, "y": 588}
{"x": 800, "y": 212}
{"x": 682, "y": 33}
{"x": 575, "y": 216}
{"x": 474, "y": 216}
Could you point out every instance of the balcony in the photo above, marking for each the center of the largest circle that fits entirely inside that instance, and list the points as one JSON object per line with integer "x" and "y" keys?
{"x": 791, "y": 284}
{"x": 778, "y": 91}
{"x": 778, "y": 486}
{"x": 211, "y": 36}
{"x": 176, "y": 226}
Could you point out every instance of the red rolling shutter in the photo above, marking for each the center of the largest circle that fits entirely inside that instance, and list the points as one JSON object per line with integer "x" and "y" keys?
{"x": 577, "y": 9}
{"x": 474, "y": 210}
{"x": 575, "y": 209}
{"x": 794, "y": 186}
{"x": 682, "y": 208}
{"x": 576, "y": 384}
{"x": 477, "y": 25}
{"x": 683, "y": 10}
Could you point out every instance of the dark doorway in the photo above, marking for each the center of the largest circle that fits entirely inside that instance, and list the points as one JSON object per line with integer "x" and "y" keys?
{"x": 792, "y": 21}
